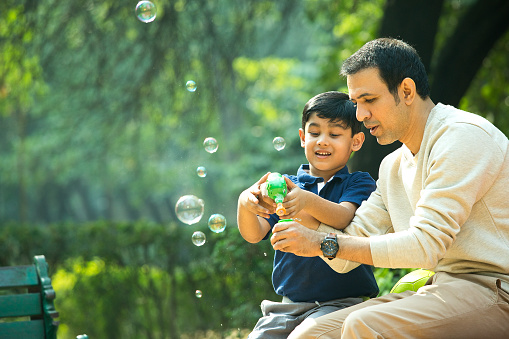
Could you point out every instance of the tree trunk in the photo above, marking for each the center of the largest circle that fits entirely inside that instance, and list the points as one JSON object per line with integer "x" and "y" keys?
{"x": 477, "y": 31}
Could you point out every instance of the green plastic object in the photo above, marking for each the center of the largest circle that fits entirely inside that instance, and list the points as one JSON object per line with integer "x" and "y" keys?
{"x": 412, "y": 281}
{"x": 277, "y": 190}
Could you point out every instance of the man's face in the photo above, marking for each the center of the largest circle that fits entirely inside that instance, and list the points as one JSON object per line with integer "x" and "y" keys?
{"x": 376, "y": 106}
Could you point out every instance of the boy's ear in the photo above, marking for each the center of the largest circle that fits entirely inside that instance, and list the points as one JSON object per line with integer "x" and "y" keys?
{"x": 358, "y": 140}
{"x": 302, "y": 136}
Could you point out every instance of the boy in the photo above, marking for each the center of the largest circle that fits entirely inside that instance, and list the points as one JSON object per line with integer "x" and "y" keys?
{"x": 322, "y": 190}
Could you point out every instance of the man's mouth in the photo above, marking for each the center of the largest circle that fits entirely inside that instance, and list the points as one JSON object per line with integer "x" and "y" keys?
{"x": 372, "y": 129}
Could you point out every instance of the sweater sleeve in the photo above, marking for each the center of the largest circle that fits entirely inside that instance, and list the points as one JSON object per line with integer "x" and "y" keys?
{"x": 460, "y": 165}
{"x": 370, "y": 219}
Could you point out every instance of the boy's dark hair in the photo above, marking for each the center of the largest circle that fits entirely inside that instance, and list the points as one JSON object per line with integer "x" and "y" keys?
{"x": 395, "y": 60}
{"x": 335, "y": 106}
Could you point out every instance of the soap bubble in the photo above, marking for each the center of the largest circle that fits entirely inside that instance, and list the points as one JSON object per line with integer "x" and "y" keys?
{"x": 198, "y": 238}
{"x": 210, "y": 144}
{"x": 279, "y": 143}
{"x": 146, "y": 11}
{"x": 189, "y": 209}
{"x": 198, "y": 294}
{"x": 201, "y": 171}
{"x": 191, "y": 86}
{"x": 217, "y": 223}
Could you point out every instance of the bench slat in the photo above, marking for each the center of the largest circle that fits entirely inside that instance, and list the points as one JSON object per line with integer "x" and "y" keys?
{"x": 26, "y": 302}
{"x": 20, "y": 305}
{"x": 18, "y": 276}
{"x": 33, "y": 329}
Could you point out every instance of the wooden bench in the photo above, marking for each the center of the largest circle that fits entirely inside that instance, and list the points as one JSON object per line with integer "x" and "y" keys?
{"x": 26, "y": 302}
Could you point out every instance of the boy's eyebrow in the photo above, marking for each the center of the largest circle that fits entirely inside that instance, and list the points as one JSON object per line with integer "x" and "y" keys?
{"x": 333, "y": 124}
{"x": 338, "y": 124}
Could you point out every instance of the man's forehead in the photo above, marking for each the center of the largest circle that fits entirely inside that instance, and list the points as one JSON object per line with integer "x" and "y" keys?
{"x": 364, "y": 83}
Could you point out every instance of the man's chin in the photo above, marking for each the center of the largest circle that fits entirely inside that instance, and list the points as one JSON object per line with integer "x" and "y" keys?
{"x": 383, "y": 141}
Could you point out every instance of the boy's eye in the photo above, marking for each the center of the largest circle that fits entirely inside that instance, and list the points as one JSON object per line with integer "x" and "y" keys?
{"x": 334, "y": 135}
{"x": 315, "y": 134}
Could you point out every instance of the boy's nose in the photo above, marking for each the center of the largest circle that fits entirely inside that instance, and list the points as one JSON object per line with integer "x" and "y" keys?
{"x": 323, "y": 140}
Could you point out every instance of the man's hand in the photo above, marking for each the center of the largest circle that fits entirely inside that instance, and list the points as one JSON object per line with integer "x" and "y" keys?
{"x": 295, "y": 238}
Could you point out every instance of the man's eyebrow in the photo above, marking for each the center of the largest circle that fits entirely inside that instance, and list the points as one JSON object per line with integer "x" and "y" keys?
{"x": 361, "y": 96}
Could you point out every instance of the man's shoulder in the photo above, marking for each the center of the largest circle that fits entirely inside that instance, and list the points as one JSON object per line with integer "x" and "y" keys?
{"x": 451, "y": 118}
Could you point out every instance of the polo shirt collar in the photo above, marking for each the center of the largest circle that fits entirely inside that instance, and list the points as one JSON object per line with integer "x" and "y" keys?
{"x": 307, "y": 179}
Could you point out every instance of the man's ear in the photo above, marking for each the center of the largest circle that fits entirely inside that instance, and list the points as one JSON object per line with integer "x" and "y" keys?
{"x": 408, "y": 91}
{"x": 302, "y": 136}
{"x": 358, "y": 140}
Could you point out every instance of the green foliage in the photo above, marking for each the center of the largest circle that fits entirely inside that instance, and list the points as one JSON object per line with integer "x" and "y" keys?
{"x": 139, "y": 279}
{"x": 489, "y": 94}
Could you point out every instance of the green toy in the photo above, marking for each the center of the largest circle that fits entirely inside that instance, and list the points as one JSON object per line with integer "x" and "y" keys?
{"x": 277, "y": 190}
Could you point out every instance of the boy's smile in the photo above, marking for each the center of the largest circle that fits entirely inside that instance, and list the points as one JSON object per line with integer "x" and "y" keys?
{"x": 327, "y": 145}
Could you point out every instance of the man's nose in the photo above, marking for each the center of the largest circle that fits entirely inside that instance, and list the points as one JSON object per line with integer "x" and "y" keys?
{"x": 362, "y": 113}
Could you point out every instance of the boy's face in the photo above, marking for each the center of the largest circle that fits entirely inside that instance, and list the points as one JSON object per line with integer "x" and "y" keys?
{"x": 328, "y": 145}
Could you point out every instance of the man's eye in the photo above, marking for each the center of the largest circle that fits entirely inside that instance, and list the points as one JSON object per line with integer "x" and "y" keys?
{"x": 369, "y": 100}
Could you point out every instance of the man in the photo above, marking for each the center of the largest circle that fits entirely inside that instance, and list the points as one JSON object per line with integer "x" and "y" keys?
{"x": 440, "y": 204}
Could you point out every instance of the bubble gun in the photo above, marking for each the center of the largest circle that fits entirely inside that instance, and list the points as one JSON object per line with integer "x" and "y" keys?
{"x": 276, "y": 189}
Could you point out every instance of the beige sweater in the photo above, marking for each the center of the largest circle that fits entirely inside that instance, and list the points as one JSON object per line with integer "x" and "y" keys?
{"x": 447, "y": 207}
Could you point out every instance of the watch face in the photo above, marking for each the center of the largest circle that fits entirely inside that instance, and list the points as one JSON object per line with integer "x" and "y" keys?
{"x": 329, "y": 248}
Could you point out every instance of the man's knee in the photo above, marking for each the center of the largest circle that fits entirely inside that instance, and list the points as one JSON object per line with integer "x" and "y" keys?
{"x": 360, "y": 321}
{"x": 303, "y": 330}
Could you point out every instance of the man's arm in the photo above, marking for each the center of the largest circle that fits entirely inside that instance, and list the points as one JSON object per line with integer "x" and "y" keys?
{"x": 300, "y": 240}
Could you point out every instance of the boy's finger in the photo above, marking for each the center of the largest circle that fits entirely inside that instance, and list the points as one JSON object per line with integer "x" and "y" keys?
{"x": 263, "y": 179}
{"x": 289, "y": 183}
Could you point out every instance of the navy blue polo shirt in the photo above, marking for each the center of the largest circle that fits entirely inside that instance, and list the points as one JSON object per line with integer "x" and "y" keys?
{"x": 305, "y": 279}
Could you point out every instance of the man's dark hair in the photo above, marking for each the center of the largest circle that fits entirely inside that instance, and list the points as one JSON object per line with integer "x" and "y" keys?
{"x": 395, "y": 60}
{"x": 336, "y": 107}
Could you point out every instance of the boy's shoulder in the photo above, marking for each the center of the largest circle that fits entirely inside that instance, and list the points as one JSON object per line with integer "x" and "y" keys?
{"x": 353, "y": 178}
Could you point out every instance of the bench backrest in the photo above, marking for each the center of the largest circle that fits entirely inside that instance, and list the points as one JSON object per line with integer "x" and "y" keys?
{"x": 26, "y": 302}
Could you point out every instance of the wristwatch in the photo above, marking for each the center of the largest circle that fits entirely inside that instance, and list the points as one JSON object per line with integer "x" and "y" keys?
{"x": 330, "y": 246}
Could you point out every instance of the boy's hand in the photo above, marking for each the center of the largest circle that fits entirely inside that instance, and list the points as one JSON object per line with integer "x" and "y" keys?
{"x": 254, "y": 201}
{"x": 295, "y": 200}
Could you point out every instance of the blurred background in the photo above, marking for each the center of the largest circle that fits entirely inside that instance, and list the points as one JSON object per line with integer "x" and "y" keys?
{"x": 101, "y": 133}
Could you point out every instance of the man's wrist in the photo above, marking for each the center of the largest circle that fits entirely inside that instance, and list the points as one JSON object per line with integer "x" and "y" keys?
{"x": 318, "y": 243}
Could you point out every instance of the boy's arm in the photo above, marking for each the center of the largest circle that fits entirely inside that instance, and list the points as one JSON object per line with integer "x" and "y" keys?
{"x": 337, "y": 215}
{"x": 323, "y": 210}
{"x": 251, "y": 212}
